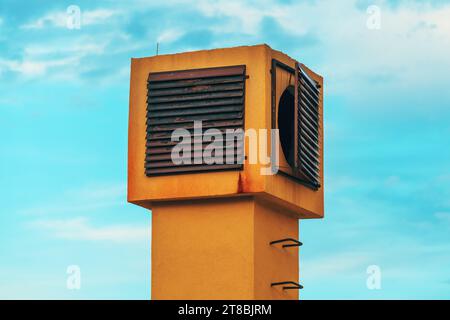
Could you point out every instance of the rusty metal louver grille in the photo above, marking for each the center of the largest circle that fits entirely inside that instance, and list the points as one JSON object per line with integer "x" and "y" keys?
{"x": 308, "y": 127}
{"x": 214, "y": 96}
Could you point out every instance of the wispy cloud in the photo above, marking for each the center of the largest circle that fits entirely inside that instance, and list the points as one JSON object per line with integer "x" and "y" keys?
{"x": 170, "y": 35}
{"x": 443, "y": 216}
{"x": 59, "y": 19}
{"x": 345, "y": 263}
{"x": 34, "y": 68}
{"x": 79, "y": 47}
{"x": 86, "y": 199}
{"x": 80, "y": 228}
{"x": 358, "y": 67}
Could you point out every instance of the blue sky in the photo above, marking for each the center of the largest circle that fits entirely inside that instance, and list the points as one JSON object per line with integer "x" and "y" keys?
{"x": 63, "y": 134}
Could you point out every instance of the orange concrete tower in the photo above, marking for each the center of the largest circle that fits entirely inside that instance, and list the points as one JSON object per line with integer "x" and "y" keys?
{"x": 225, "y": 208}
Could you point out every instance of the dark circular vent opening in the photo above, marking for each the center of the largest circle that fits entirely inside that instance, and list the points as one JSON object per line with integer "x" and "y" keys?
{"x": 286, "y": 123}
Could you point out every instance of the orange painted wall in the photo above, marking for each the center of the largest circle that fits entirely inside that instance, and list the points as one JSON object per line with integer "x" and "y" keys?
{"x": 273, "y": 263}
{"x": 219, "y": 249}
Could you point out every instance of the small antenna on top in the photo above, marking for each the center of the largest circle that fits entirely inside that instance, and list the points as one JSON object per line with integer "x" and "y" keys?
{"x": 157, "y": 48}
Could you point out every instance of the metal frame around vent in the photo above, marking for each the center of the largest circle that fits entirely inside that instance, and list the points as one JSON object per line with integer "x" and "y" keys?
{"x": 298, "y": 172}
{"x": 175, "y": 99}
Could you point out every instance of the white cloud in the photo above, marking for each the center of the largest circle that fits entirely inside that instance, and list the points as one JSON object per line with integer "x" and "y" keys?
{"x": 169, "y": 35}
{"x": 80, "y": 47}
{"x": 82, "y": 200}
{"x": 33, "y": 68}
{"x": 59, "y": 18}
{"x": 97, "y": 16}
{"x": 56, "y": 19}
{"x": 362, "y": 62}
{"x": 392, "y": 181}
{"x": 443, "y": 216}
{"x": 74, "y": 205}
{"x": 80, "y": 229}
{"x": 28, "y": 68}
{"x": 58, "y": 59}
{"x": 409, "y": 51}
{"x": 345, "y": 263}
{"x": 246, "y": 18}
{"x": 336, "y": 183}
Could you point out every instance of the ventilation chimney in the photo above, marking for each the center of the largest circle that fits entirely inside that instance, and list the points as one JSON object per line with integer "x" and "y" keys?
{"x": 226, "y": 150}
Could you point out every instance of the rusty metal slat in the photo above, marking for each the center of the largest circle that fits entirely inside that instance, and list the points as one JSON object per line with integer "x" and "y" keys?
{"x": 313, "y": 150}
{"x": 165, "y": 160}
{"x": 170, "y": 164}
{"x": 205, "y": 125}
{"x": 314, "y": 178}
{"x": 159, "y": 150}
{"x": 312, "y": 92}
{"x": 304, "y": 75}
{"x": 313, "y": 110}
{"x": 309, "y": 81}
{"x": 192, "y": 169}
{"x": 167, "y": 134}
{"x": 201, "y": 117}
{"x": 205, "y": 137}
{"x": 307, "y": 121}
{"x": 197, "y": 144}
{"x": 312, "y": 162}
{"x": 313, "y": 125}
{"x": 309, "y": 173}
{"x": 197, "y": 96}
{"x": 314, "y": 142}
{"x": 196, "y": 73}
{"x": 192, "y": 111}
{"x": 168, "y": 156}
{"x": 195, "y": 104}
{"x": 306, "y": 118}
{"x": 196, "y": 89}
{"x": 194, "y": 82}
{"x": 312, "y": 169}
{"x": 168, "y": 151}
{"x": 305, "y": 153}
{"x": 166, "y": 143}
{"x": 314, "y": 99}
{"x": 156, "y": 166}
{"x": 309, "y": 133}
{"x": 313, "y": 118}
{"x": 313, "y": 104}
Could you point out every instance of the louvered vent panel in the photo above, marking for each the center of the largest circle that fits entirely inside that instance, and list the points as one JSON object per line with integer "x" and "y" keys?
{"x": 176, "y": 99}
{"x": 308, "y": 127}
